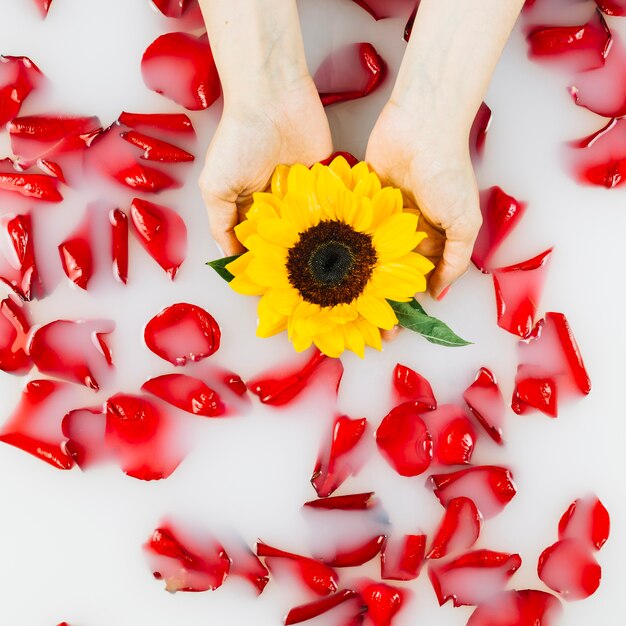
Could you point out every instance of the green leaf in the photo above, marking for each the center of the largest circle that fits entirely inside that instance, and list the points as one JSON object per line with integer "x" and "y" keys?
{"x": 411, "y": 315}
{"x": 219, "y": 265}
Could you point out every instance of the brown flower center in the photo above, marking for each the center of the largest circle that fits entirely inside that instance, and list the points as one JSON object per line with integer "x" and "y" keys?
{"x": 331, "y": 263}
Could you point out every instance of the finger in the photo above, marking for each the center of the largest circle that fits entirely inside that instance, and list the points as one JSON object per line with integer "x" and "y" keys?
{"x": 390, "y": 335}
{"x": 223, "y": 217}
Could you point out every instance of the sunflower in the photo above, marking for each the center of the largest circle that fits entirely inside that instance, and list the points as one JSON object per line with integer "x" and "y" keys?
{"x": 327, "y": 247}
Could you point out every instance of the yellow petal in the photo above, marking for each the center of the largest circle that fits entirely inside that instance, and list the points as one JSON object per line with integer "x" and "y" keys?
{"x": 262, "y": 197}
{"x": 363, "y": 215}
{"x": 330, "y": 343}
{"x": 340, "y": 166}
{"x": 353, "y": 339}
{"x": 279, "y": 181}
{"x": 417, "y": 261}
{"x": 301, "y": 342}
{"x": 239, "y": 265}
{"x": 359, "y": 171}
{"x": 298, "y": 320}
{"x": 396, "y": 281}
{"x": 387, "y": 202}
{"x": 300, "y": 179}
{"x": 370, "y": 333}
{"x": 246, "y": 286}
{"x": 244, "y": 229}
{"x": 280, "y": 232}
{"x": 301, "y": 209}
{"x": 264, "y": 250}
{"x": 268, "y": 273}
{"x": 343, "y": 313}
{"x": 368, "y": 186}
{"x": 376, "y": 311}
{"x": 282, "y": 300}
{"x": 396, "y": 236}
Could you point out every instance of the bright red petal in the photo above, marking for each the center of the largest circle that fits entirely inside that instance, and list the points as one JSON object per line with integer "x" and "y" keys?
{"x": 485, "y": 401}
{"x": 501, "y": 213}
{"x": 404, "y": 441}
{"x": 381, "y": 9}
{"x": 43, "y": 6}
{"x": 518, "y": 608}
{"x": 76, "y": 255}
{"x": 612, "y": 7}
{"x": 313, "y": 609}
{"x": 534, "y": 389}
{"x": 18, "y": 268}
{"x": 18, "y": 77}
{"x": 176, "y": 123}
{"x": 119, "y": 244}
{"x": 162, "y": 233}
{"x": 478, "y": 132}
{"x": 350, "y": 158}
{"x": 587, "y": 520}
{"x": 473, "y": 577}
{"x": 338, "y": 458}
{"x": 459, "y": 529}
{"x": 182, "y": 332}
{"x": 350, "y": 72}
{"x": 29, "y": 184}
{"x": 452, "y": 433}
{"x": 490, "y": 487}
{"x": 14, "y": 327}
{"x": 172, "y": 8}
{"x": 352, "y": 502}
{"x": 569, "y": 568}
{"x": 155, "y": 149}
{"x": 409, "y": 386}
{"x": 402, "y": 558}
{"x": 383, "y": 602}
{"x": 518, "y": 293}
{"x": 181, "y": 67}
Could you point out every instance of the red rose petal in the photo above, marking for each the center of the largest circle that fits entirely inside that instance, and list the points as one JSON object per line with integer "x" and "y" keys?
{"x": 51, "y": 168}
{"x": 402, "y": 558}
{"x": 30, "y": 185}
{"x": 501, "y": 213}
{"x": 18, "y": 77}
{"x": 85, "y": 431}
{"x": 612, "y": 7}
{"x": 569, "y": 568}
{"x": 518, "y": 292}
{"x": 473, "y": 577}
{"x": 176, "y": 123}
{"x": 534, "y": 390}
{"x": 383, "y": 602}
{"x": 351, "y": 72}
{"x": 235, "y": 384}
{"x": 187, "y": 393}
{"x": 35, "y": 424}
{"x": 404, "y": 441}
{"x": 485, "y": 401}
{"x": 337, "y": 459}
{"x": 587, "y": 520}
{"x": 181, "y": 67}
{"x": 350, "y": 158}
{"x": 18, "y": 269}
{"x": 184, "y": 567}
{"x": 490, "y": 487}
{"x": 313, "y": 609}
{"x": 352, "y": 502}
{"x": 76, "y": 255}
{"x": 452, "y": 434}
{"x": 585, "y": 46}
{"x": 478, "y": 132}
{"x": 246, "y": 564}
{"x": 43, "y": 6}
{"x": 72, "y": 350}
{"x": 320, "y": 578}
{"x": 172, "y": 8}
{"x": 14, "y": 327}
{"x": 518, "y": 608}
{"x": 355, "y": 556}
{"x": 46, "y": 137}
{"x": 459, "y": 529}
{"x": 155, "y": 149}
{"x": 408, "y": 27}
{"x": 409, "y": 386}
{"x": 381, "y": 9}
{"x": 282, "y": 388}
{"x": 119, "y": 244}
{"x": 182, "y": 332}
{"x": 142, "y": 437}
{"x": 162, "y": 233}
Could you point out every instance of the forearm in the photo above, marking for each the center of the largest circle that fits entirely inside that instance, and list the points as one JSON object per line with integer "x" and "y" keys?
{"x": 450, "y": 58}
{"x": 257, "y": 45}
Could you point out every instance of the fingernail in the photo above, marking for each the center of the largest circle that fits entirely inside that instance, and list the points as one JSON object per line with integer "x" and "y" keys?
{"x": 442, "y": 295}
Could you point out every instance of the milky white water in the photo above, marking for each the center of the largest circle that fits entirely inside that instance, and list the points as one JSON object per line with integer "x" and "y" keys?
{"x": 70, "y": 542}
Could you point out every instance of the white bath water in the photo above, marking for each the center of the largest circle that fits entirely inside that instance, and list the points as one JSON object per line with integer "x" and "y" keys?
{"x": 70, "y": 542}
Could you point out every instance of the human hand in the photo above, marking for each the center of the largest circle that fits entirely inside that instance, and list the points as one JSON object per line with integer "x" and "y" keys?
{"x": 255, "y": 135}
{"x": 429, "y": 160}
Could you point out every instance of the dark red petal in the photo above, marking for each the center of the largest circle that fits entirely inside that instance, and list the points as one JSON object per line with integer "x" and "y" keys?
{"x": 358, "y": 555}
{"x": 187, "y": 393}
{"x": 338, "y": 458}
{"x": 19, "y": 269}
{"x": 318, "y": 577}
{"x": 177, "y": 123}
{"x": 586, "y": 45}
{"x": 18, "y": 77}
{"x": 14, "y": 328}
{"x": 490, "y": 487}
{"x": 235, "y": 384}
{"x": 569, "y": 568}
{"x": 402, "y": 558}
{"x": 518, "y": 292}
{"x": 76, "y": 255}
{"x": 35, "y": 424}
{"x": 404, "y": 441}
{"x": 383, "y": 602}
{"x": 381, "y": 9}
{"x": 452, "y": 434}
{"x": 181, "y": 67}
{"x": 587, "y": 520}
{"x": 501, "y": 213}
{"x": 84, "y": 430}
{"x": 183, "y": 567}
{"x": 72, "y": 350}
{"x": 485, "y": 401}
{"x": 409, "y": 386}
{"x": 141, "y": 436}
{"x": 350, "y": 158}
{"x": 478, "y": 132}
{"x": 119, "y": 244}
{"x": 473, "y": 577}
{"x": 155, "y": 149}
{"x": 408, "y": 27}
{"x": 162, "y": 233}
{"x": 350, "y": 72}
{"x": 459, "y": 529}
{"x": 44, "y": 136}
{"x": 183, "y": 332}
{"x": 352, "y": 502}
{"x": 172, "y": 8}
{"x": 313, "y": 609}
{"x": 281, "y": 388}
{"x": 612, "y": 7}
{"x": 518, "y": 608}
{"x": 246, "y": 564}
{"x": 534, "y": 390}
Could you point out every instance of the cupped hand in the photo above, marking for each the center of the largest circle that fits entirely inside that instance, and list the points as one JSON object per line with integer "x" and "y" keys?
{"x": 430, "y": 162}
{"x": 253, "y": 137}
